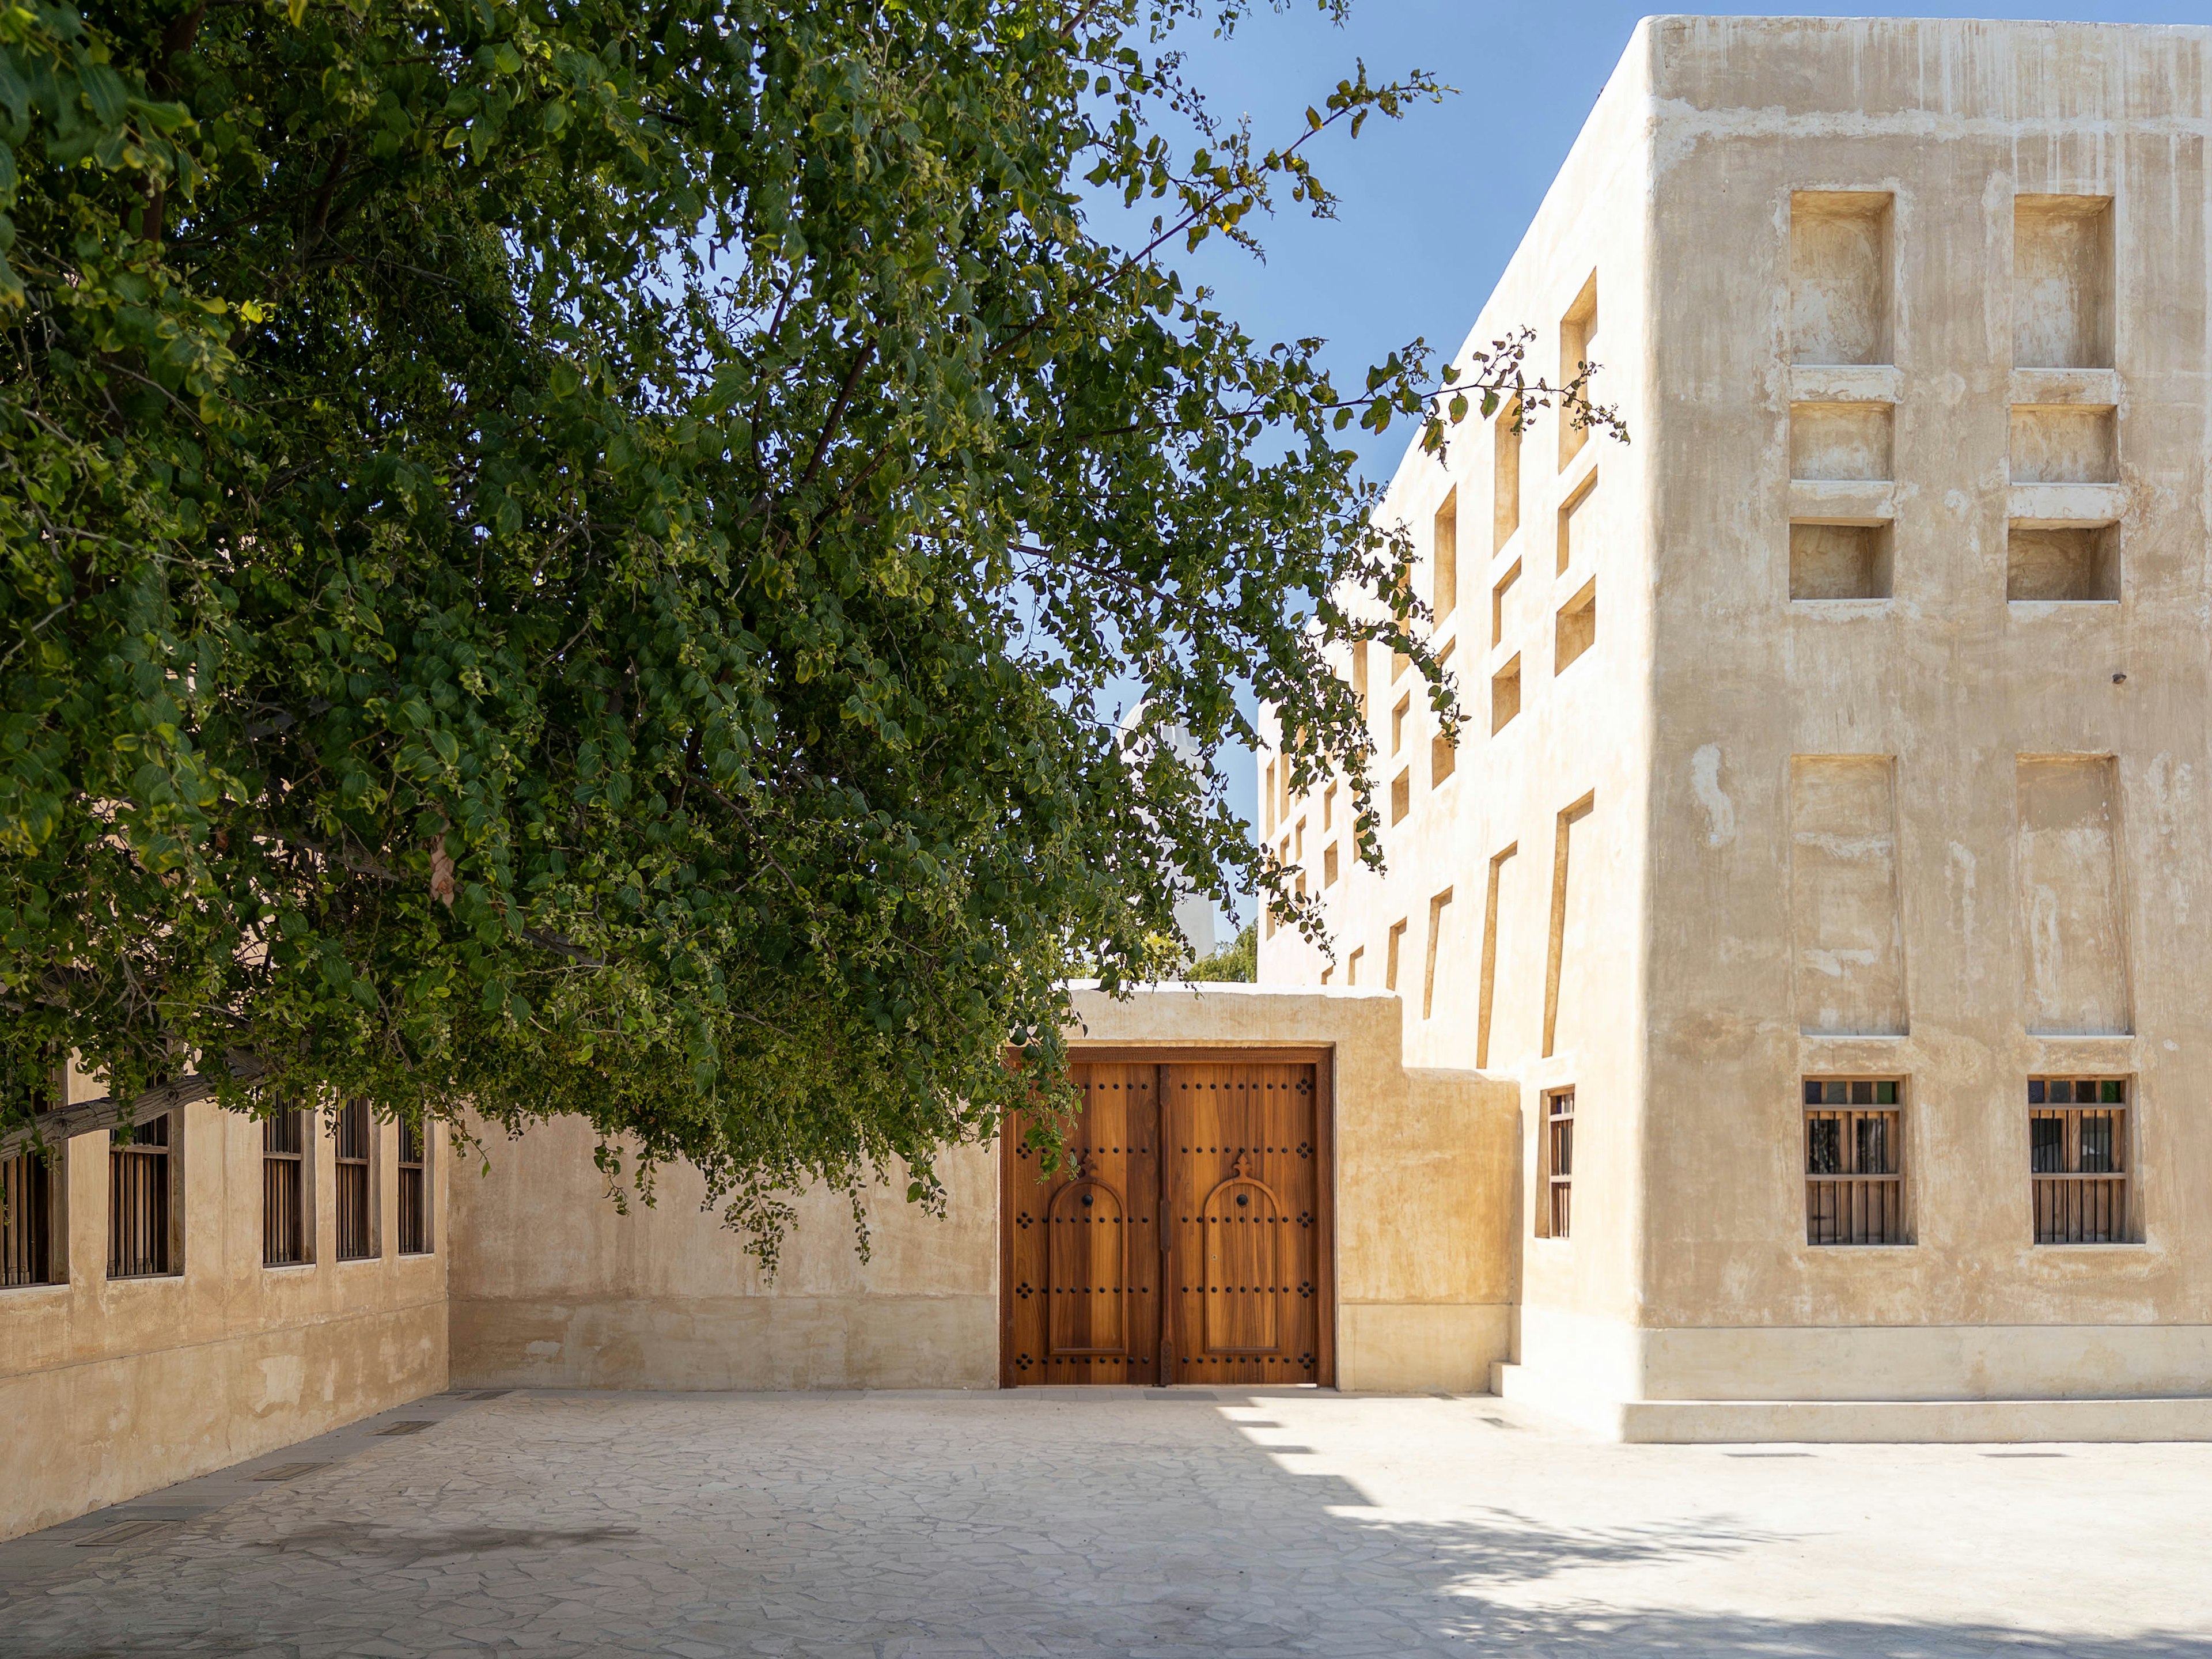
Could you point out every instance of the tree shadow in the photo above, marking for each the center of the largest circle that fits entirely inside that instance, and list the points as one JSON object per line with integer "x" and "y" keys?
{"x": 984, "y": 1525}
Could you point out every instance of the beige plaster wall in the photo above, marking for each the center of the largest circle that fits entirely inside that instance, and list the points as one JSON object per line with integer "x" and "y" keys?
{"x": 1425, "y": 1169}
{"x": 1581, "y": 735}
{"x": 1947, "y": 682}
{"x": 115, "y": 1388}
{"x": 553, "y": 1287}
{"x": 1824, "y": 823}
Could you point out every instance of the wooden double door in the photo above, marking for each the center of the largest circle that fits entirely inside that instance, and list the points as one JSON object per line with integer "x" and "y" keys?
{"x": 1186, "y": 1239}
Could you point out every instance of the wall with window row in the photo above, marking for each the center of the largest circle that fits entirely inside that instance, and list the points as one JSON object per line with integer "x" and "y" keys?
{"x": 206, "y": 1288}
{"x": 1885, "y": 756}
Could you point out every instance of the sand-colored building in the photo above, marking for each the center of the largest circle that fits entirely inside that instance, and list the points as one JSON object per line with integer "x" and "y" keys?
{"x": 1779, "y": 1019}
{"x": 1821, "y": 854}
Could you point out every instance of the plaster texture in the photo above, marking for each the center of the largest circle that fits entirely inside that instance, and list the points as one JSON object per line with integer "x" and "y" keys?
{"x": 1114, "y": 1522}
{"x": 113, "y": 1387}
{"x": 553, "y": 1287}
{"x": 1887, "y": 755}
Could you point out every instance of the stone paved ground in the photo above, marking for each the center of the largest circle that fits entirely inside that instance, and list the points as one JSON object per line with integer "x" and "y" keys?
{"x": 558, "y": 1524}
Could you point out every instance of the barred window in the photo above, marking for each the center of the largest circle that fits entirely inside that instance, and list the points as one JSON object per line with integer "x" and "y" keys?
{"x": 26, "y": 1220}
{"x": 414, "y": 1189}
{"x": 1853, "y": 1161}
{"x": 356, "y": 1187}
{"x": 2077, "y": 1159}
{"x": 141, "y": 1241}
{"x": 286, "y": 1233}
{"x": 1559, "y": 1162}
{"x": 30, "y": 1210}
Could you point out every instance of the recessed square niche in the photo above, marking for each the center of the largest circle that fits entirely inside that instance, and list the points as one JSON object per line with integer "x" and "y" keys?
{"x": 2069, "y": 563}
{"x": 1839, "y": 276}
{"x": 2062, "y": 282}
{"x": 1839, "y": 562}
{"x": 1840, "y": 441}
{"x": 2064, "y": 443}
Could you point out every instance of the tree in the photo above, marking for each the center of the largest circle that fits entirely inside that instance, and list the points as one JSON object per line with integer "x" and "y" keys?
{"x": 1235, "y": 963}
{"x": 562, "y": 555}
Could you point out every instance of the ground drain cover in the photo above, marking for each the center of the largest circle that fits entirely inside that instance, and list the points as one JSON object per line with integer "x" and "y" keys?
{"x": 289, "y": 1471}
{"x": 1179, "y": 1393}
{"x": 409, "y": 1425}
{"x": 489, "y": 1393}
{"x": 128, "y": 1532}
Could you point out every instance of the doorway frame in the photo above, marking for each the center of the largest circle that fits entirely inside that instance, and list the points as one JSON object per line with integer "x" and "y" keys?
{"x": 1321, "y": 1057}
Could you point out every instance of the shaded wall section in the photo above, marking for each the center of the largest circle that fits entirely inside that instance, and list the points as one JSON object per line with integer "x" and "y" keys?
{"x": 555, "y": 1287}
{"x": 112, "y": 1387}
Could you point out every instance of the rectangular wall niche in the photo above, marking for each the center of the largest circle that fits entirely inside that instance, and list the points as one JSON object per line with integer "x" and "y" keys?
{"x": 1506, "y": 474}
{"x": 2069, "y": 896}
{"x": 2062, "y": 443}
{"x": 1578, "y": 526}
{"x": 1842, "y": 442}
{"x": 1839, "y": 561}
{"x": 1847, "y": 956}
{"x": 1577, "y": 345}
{"x": 2076, "y": 563}
{"x": 1839, "y": 276}
{"x": 2062, "y": 282}
{"x": 1577, "y": 628}
{"x": 1504, "y": 694}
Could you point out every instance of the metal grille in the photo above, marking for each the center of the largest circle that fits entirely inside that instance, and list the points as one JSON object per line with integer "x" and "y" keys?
{"x": 414, "y": 1191}
{"x": 2077, "y": 1157}
{"x": 26, "y": 1220}
{"x": 138, "y": 1208}
{"x": 1854, "y": 1162}
{"x": 283, "y": 1189}
{"x": 1559, "y": 1159}
{"x": 357, "y": 1236}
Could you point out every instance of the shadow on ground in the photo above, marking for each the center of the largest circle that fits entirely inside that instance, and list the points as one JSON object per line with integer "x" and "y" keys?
{"x": 813, "y": 1529}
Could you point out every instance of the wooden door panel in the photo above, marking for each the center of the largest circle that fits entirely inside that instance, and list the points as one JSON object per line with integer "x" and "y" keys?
{"x": 1083, "y": 1256}
{"x": 1244, "y": 1188}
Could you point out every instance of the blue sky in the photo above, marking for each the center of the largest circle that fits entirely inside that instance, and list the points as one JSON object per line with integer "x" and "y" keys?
{"x": 1432, "y": 207}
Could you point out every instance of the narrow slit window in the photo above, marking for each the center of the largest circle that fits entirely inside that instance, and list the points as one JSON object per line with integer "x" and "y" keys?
{"x": 2077, "y": 1159}
{"x": 1504, "y": 695}
{"x": 356, "y": 1187}
{"x": 141, "y": 1200}
{"x": 1506, "y": 474}
{"x": 413, "y": 1167}
{"x": 1390, "y": 959}
{"x": 285, "y": 1229}
{"x": 1853, "y": 1161}
{"x": 1559, "y": 1162}
{"x": 1577, "y": 630}
{"x": 1577, "y": 353}
{"x": 1444, "y": 580}
{"x": 31, "y": 1251}
{"x": 27, "y": 1220}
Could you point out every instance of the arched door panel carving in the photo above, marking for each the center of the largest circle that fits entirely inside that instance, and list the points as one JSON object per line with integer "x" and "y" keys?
{"x": 1086, "y": 1285}
{"x": 1240, "y": 1224}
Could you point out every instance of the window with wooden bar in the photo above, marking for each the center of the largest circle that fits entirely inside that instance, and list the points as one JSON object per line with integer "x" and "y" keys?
{"x": 1853, "y": 1161}
{"x": 141, "y": 1241}
{"x": 414, "y": 1189}
{"x": 1559, "y": 1162}
{"x": 356, "y": 1187}
{"x": 2077, "y": 1153}
{"x": 286, "y": 1234}
{"x": 30, "y": 1207}
{"x": 26, "y": 1220}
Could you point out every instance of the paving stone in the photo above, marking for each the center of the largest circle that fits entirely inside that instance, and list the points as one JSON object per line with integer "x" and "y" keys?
{"x": 1246, "y": 1526}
